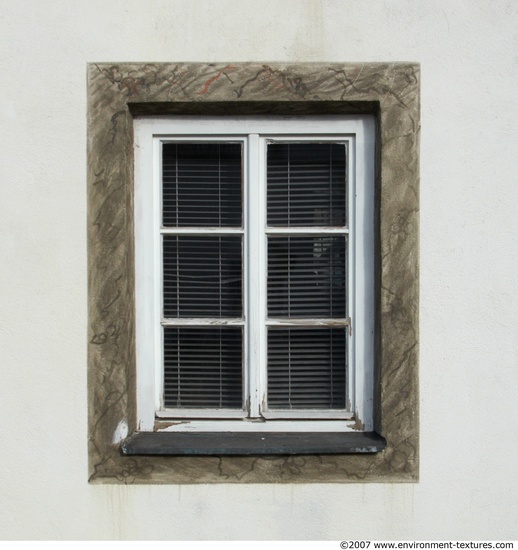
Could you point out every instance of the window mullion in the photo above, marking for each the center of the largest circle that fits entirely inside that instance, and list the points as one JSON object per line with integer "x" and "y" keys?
{"x": 256, "y": 262}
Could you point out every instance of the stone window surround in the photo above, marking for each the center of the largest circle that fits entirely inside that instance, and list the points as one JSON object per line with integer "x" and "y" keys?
{"x": 119, "y": 91}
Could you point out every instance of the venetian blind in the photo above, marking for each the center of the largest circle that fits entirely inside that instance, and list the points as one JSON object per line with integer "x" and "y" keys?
{"x": 202, "y": 275}
{"x": 202, "y": 185}
{"x": 307, "y": 275}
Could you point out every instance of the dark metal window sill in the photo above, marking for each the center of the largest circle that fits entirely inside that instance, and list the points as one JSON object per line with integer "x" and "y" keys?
{"x": 246, "y": 443}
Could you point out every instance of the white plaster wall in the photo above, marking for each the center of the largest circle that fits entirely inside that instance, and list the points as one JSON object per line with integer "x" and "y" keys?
{"x": 469, "y": 292}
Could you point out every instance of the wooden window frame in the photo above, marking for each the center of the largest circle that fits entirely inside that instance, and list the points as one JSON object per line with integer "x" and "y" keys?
{"x": 255, "y": 133}
{"x": 117, "y": 93}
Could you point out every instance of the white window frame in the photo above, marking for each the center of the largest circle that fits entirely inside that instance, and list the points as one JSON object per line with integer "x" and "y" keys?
{"x": 358, "y": 134}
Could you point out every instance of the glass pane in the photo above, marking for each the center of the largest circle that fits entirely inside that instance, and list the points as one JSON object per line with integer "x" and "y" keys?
{"x": 202, "y": 276}
{"x": 306, "y": 184}
{"x": 203, "y": 367}
{"x": 306, "y": 276}
{"x": 202, "y": 185}
{"x": 306, "y": 368}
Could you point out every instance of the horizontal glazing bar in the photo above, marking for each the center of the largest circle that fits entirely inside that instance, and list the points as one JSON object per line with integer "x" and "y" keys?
{"x": 201, "y": 321}
{"x": 308, "y": 231}
{"x": 300, "y": 414}
{"x": 201, "y": 230}
{"x": 201, "y": 413}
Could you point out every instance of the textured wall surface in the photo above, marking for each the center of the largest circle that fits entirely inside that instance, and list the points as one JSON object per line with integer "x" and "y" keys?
{"x": 468, "y": 52}
{"x": 391, "y": 93}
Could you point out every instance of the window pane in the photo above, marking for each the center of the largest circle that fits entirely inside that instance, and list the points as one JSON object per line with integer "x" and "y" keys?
{"x": 306, "y": 276}
{"x": 203, "y": 367}
{"x": 202, "y": 276}
{"x": 306, "y": 184}
{"x": 306, "y": 368}
{"x": 202, "y": 184}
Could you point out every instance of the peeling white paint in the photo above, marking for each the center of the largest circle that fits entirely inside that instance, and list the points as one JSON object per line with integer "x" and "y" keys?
{"x": 121, "y": 432}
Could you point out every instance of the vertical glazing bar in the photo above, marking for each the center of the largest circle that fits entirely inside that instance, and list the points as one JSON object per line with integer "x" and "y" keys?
{"x": 245, "y": 284}
{"x": 350, "y": 378}
{"x": 245, "y": 281}
{"x": 158, "y": 333}
{"x": 255, "y": 263}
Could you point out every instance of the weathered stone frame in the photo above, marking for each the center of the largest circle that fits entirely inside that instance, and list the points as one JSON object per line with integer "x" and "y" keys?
{"x": 117, "y": 93}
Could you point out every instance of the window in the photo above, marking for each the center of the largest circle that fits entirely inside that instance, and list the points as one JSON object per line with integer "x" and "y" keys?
{"x": 123, "y": 391}
{"x": 255, "y": 273}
